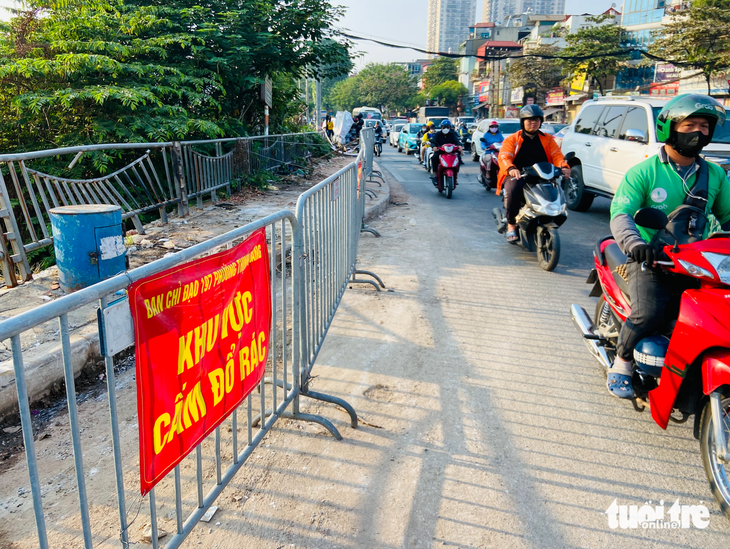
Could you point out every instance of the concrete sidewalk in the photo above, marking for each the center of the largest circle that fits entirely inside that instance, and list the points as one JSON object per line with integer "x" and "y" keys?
{"x": 42, "y": 358}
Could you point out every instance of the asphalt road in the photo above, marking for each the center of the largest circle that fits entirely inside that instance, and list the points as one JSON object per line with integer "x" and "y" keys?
{"x": 519, "y": 397}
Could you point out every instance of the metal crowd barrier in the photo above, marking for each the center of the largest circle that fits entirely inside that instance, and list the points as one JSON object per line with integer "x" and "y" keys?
{"x": 313, "y": 256}
{"x": 161, "y": 175}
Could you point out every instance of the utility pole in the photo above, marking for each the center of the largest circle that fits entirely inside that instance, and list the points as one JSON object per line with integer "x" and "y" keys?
{"x": 319, "y": 103}
{"x": 306, "y": 97}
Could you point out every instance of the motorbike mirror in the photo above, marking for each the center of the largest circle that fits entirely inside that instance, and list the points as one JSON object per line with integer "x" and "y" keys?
{"x": 651, "y": 218}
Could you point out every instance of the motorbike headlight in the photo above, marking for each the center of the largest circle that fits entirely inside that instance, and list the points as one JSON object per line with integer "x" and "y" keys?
{"x": 721, "y": 264}
{"x": 548, "y": 208}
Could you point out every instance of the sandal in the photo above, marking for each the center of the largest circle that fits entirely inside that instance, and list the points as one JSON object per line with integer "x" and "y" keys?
{"x": 620, "y": 385}
{"x": 512, "y": 236}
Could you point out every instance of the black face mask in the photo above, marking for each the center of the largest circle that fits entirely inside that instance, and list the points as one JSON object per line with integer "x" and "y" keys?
{"x": 689, "y": 144}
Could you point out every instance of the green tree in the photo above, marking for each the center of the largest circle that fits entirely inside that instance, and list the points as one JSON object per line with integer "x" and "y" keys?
{"x": 697, "y": 38}
{"x": 345, "y": 95}
{"x": 94, "y": 71}
{"x": 604, "y": 37}
{"x": 441, "y": 70}
{"x": 386, "y": 85}
{"x": 448, "y": 93}
{"x": 535, "y": 74}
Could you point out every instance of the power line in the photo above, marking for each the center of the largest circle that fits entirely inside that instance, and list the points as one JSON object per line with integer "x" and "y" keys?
{"x": 507, "y": 55}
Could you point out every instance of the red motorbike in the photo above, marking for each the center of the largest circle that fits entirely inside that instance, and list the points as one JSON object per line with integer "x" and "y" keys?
{"x": 684, "y": 370}
{"x": 447, "y": 169}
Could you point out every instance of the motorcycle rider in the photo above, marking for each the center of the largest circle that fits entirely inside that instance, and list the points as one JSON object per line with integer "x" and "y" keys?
{"x": 421, "y": 140}
{"x": 463, "y": 132}
{"x": 665, "y": 181}
{"x": 489, "y": 139}
{"x": 428, "y": 132}
{"x": 524, "y": 148}
{"x": 378, "y": 129}
{"x": 493, "y": 136}
{"x": 440, "y": 139}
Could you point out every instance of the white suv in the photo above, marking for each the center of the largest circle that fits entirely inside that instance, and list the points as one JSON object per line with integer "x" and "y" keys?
{"x": 611, "y": 135}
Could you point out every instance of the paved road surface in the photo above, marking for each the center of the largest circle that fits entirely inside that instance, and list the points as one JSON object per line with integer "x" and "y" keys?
{"x": 486, "y": 422}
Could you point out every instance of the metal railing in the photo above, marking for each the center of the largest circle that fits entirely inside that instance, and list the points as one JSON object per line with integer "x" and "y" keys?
{"x": 312, "y": 256}
{"x": 162, "y": 175}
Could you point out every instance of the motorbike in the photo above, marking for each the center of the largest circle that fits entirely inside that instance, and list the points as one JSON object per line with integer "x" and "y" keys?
{"x": 544, "y": 211}
{"x": 489, "y": 166}
{"x": 427, "y": 156}
{"x": 447, "y": 169}
{"x": 465, "y": 140}
{"x": 378, "y": 145}
{"x": 685, "y": 369}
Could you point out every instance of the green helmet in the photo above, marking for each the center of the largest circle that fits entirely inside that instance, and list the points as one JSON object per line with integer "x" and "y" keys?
{"x": 684, "y": 106}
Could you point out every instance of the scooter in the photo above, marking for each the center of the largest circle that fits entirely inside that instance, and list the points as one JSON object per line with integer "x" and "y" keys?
{"x": 378, "y": 145}
{"x": 685, "y": 370}
{"x": 489, "y": 166}
{"x": 544, "y": 211}
{"x": 447, "y": 169}
{"x": 427, "y": 155}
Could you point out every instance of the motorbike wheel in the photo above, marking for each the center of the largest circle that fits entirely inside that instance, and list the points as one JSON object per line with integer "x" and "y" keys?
{"x": 449, "y": 186}
{"x": 717, "y": 472}
{"x": 548, "y": 248}
{"x": 577, "y": 198}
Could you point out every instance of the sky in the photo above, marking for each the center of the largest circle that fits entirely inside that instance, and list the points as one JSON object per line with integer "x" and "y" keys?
{"x": 404, "y": 22}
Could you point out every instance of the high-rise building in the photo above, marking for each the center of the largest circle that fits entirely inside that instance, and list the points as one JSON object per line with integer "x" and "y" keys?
{"x": 500, "y": 10}
{"x": 448, "y": 23}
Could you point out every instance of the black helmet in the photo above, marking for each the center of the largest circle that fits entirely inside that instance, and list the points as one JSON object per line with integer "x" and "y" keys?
{"x": 687, "y": 105}
{"x": 530, "y": 111}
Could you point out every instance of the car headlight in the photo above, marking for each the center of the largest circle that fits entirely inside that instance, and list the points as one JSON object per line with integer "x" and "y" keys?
{"x": 721, "y": 264}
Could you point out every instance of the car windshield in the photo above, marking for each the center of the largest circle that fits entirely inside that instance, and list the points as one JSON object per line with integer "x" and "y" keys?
{"x": 397, "y": 127}
{"x": 414, "y": 128}
{"x": 509, "y": 127}
{"x": 721, "y": 135}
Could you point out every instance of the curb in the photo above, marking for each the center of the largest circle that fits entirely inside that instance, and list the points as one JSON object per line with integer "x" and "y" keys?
{"x": 44, "y": 372}
{"x": 375, "y": 208}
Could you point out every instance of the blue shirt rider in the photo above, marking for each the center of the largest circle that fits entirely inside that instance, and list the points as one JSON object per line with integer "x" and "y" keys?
{"x": 492, "y": 136}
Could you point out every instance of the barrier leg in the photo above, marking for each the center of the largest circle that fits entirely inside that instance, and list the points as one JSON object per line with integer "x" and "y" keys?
{"x": 365, "y": 229}
{"x": 327, "y": 424}
{"x": 334, "y": 400}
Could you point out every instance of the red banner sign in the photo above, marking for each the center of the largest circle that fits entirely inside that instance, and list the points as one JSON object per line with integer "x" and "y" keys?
{"x": 202, "y": 337}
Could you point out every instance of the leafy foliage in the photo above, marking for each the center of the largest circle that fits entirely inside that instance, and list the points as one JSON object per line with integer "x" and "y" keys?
{"x": 378, "y": 84}
{"x": 698, "y": 38}
{"x": 534, "y": 74}
{"x": 91, "y": 71}
{"x": 448, "y": 93}
{"x": 441, "y": 70}
{"x": 604, "y": 37}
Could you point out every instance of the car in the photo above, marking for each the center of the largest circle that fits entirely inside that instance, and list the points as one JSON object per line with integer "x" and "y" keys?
{"x": 560, "y": 134}
{"x": 507, "y": 126}
{"x": 468, "y": 120}
{"x": 370, "y": 122}
{"x": 407, "y": 138}
{"x": 394, "y": 133}
{"x": 609, "y": 136}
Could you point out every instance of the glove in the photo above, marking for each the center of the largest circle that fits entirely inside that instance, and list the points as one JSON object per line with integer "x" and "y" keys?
{"x": 644, "y": 253}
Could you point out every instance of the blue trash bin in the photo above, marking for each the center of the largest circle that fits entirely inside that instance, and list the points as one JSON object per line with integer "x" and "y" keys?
{"x": 89, "y": 244}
